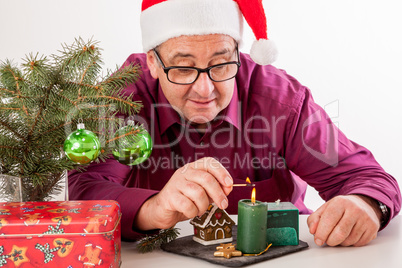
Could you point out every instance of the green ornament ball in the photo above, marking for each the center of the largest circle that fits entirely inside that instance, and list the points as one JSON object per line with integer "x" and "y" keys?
{"x": 82, "y": 146}
{"x": 132, "y": 149}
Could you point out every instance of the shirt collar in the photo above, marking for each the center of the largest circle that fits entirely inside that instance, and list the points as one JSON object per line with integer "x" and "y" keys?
{"x": 168, "y": 116}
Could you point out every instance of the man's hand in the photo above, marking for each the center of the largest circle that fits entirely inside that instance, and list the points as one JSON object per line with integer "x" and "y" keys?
{"x": 346, "y": 221}
{"x": 187, "y": 194}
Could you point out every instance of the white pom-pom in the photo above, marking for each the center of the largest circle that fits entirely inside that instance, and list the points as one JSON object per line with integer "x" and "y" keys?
{"x": 263, "y": 52}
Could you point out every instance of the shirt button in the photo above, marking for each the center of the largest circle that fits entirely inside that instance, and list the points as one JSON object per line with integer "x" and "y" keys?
{"x": 202, "y": 143}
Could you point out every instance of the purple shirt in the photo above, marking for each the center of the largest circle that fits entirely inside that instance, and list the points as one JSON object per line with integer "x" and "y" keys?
{"x": 271, "y": 131}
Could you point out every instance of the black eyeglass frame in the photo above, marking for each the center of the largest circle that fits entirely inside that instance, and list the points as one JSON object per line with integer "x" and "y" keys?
{"x": 199, "y": 70}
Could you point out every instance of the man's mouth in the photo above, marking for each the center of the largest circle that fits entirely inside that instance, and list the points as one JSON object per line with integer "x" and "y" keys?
{"x": 202, "y": 103}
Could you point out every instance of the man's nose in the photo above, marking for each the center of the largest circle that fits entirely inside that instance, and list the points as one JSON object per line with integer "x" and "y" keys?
{"x": 203, "y": 85}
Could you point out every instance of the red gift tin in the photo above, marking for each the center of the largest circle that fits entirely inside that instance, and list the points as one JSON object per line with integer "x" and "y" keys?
{"x": 60, "y": 234}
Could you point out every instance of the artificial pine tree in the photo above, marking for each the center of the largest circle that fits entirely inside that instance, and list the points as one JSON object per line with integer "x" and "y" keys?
{"x": 45, "y": 100}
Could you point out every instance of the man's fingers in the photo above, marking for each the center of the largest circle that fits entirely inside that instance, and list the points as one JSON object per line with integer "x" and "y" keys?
{"x": 365, "y": 239}
{"x": 354, "y": 236}
{"x": 359, "y": 236}
{"x": 190, "y": 190}
{"x": 213, "y": 166}
{"x": 346, "y": 231}
{"x": 184, "y": 206}
{"x": 210, "y": 185}
{"x": 329, "y": 218}
{"x": 314, "y": 218}
{"x": 362, "y": 233}
{"x": 196, "y": 194}
{"x": 345, "y": 220}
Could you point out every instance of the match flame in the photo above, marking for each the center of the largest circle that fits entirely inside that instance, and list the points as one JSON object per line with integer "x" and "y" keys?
{"x": 248, "y": 180}
{"x": 253, "y": 196}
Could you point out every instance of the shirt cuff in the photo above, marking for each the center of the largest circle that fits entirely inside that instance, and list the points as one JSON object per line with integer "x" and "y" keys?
{"x": 129, "y": 210}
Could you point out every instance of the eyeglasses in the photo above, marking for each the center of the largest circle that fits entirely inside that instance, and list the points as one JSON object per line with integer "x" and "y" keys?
{"x": 184, "y": 75}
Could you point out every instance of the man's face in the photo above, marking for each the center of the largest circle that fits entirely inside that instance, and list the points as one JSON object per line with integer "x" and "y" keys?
{"x": 201, "y": 101}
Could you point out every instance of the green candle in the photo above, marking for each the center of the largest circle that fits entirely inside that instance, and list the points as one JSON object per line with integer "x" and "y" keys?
{"x": 251, "y": 226}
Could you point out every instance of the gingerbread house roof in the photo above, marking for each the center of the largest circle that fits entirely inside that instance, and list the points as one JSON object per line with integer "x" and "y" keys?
{"x": 207, "y": 218}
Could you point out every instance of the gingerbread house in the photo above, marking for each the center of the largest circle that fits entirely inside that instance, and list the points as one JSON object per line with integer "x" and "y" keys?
{"x": 213, "y": 227}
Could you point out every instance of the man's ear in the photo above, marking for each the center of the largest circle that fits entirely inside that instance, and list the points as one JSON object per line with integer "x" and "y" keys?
{"x": 152, "y": 64}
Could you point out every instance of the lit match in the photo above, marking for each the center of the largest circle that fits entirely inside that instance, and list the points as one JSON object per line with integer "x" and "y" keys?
{"x": 248, "y": 184}
{"x": 244, "y": 184}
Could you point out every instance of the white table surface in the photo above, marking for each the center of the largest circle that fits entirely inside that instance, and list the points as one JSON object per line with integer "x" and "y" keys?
{"x": 383, "y": 252}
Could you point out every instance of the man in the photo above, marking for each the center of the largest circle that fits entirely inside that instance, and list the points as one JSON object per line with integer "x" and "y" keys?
{"x": 216, "y": 117}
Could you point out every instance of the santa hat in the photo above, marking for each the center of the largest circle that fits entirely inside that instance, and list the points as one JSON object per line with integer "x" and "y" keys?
{"x": 165, "y": 19}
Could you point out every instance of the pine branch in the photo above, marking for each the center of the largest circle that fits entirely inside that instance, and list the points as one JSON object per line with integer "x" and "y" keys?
{"x": 10, "y": 108}
{"x": 29, "y": 140}
{"x": 149, "y": 243}
{"x": 80, "y": 84}
{"x": 44, "y": 100}
{"x": 8, "y": 147}
{"x": 37, "y": 69}
{"x": 69, "y": 100}
{"x": 135, "y": 105}
{"x": 71, "y": 123}
{"x": 8, "y": 91}
{"x": 8, "y": 69}
{"x": 123, "y": 76}
{"x": 12, "y": 130}
{"x": 90, "y": 72}
{"x": 42, "y": 106}
{"x": 134, "y": 132}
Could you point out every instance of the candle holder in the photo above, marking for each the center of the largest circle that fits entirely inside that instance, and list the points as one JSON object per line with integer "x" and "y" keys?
{"x": 251, "y": 226}
{"x": 282, "y": 224}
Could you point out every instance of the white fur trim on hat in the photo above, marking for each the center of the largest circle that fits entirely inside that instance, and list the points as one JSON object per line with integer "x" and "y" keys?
{"x": 263, "y": 52}
{"x": 175, "y": 18}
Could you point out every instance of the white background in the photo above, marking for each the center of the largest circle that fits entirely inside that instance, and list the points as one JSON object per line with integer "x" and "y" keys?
{"x": 349, "y": 53}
